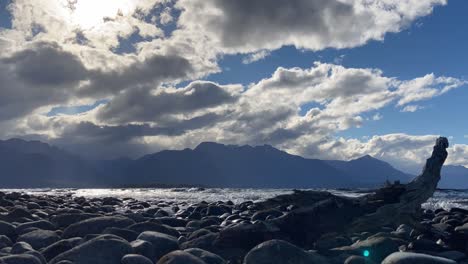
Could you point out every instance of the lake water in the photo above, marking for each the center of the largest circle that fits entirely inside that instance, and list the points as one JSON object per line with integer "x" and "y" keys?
{"x": 442, "y": 199}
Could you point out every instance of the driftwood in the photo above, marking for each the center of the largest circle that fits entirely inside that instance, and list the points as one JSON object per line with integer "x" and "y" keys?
{"x": 320, "y": 213}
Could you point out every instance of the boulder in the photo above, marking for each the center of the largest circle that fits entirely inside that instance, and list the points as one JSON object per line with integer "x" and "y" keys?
{"x": 162, "y": 243}
{"x": 279, "y": 252}
{"x": 415, "y": 258}
{"x": 207, "y": 257}
{"x": 64, "y": 220}
{"x": 105, "y": 249}
{"x": 20, "y": 259}
{"x": 95, "y": 226}
{"x": 152, "y": 226}
{"x": 59, "y": 247}
{"x": 378, "y": 247}
{"x": 136, "y": 259}
{"x": 8, "y": 230}
{"x": 20, "y": 248}
{"x": 124, "y": 233}
{"x": 262, "y": 215}
{"x": 42, "y": 224}
{"x": 39, "y": 239}
{"x": 143, "y": 248}
{"x": 180, "y": 257}
{"x": 358, "y": 260}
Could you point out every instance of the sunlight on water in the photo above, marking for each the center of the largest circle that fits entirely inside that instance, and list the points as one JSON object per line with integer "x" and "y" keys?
{"x": 442, "y": 199}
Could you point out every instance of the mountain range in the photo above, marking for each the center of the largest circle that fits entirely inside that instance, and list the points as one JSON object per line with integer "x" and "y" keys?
{"x": 29, "y": 164}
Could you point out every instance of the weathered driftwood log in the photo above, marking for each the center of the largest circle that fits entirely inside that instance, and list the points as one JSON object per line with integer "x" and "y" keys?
{"x": 321, "y": 212}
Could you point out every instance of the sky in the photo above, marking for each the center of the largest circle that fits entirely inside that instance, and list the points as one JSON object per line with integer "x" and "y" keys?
{"x": 328, "y": 79}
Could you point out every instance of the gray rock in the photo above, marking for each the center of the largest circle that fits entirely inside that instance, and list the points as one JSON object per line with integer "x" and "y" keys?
{"x": 208, "y": 257}
{"x": 7, "y": 229}
{"x": 42, "y": 224}
{"x": 20, "y": 259}
{"x": 279, "y": 252}
{"x": 415, "y": 258}
{"x": 180, "y": 257}
{"x": 379, "y": 247}
{"x": 5, "y": 241}
{"x": 162, "y": 243}
{"x": 453, "y": 255}
{"x": 59, "y": 247}
{"x": 95, "y": 226}
{"x": 358, "y": 260}
{"x": 262, "y": 215}
{"x": 205, "y": 242}
{"x": 38, "y": 255}
{"x": 105, "y": 249}
{"x": 124, "y": 233}
{"x": 143, "y": 248}
{"x": 64, "y": 220}
{"x": 136, "y": 259}
{"x": 39, "y": 239}
{"x": 330, "y": 242}
{"x": 155, "y": 227}
{"x": 20, "y": 248}
{"x": 171, "y": 221}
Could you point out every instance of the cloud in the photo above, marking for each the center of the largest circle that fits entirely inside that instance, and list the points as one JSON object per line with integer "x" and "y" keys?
{"x": 146, "y": 105}
{"x": 248, "y": 26}
{"x": 377, "y": 117}
{"x": 40, "y": 76}
{"x": 151, "y": 71}
{"x": 426, "y": 87}
{"x": 46, "y": 64}
{"x": 412, "y": 108}
{"x": 251, "y": 58}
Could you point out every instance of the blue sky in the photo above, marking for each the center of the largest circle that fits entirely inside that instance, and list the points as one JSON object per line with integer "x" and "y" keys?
{"x": 177, "y": 71}
{"x": 436, "y": 43}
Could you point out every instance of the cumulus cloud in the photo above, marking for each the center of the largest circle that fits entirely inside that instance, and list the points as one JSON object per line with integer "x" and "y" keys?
{"x": 66, "y": 54}
{"x": 426, "y": 87}
{"x": 145, "y": 105}
{"x": 247, "y": 26}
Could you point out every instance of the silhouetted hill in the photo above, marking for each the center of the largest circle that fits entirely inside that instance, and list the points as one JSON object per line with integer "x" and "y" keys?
{"x": 25, "y": 164}
{"x": 215, "y": 164}
{"x": 36, "y": 164}
{"x": 368, "y": 170}
{"x": 454, "y": 177}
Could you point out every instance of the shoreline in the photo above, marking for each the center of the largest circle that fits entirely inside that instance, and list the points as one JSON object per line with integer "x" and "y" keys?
{"x": 55, "y": 228}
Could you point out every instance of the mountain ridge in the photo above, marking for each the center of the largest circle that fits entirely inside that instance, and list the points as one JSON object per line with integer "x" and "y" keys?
{"x": 208, "y": 164}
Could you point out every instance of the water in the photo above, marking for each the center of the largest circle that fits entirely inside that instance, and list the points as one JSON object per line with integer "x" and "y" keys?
{"x": 442, "y": 199}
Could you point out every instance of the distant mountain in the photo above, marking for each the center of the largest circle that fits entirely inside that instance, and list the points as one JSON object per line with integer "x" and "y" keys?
{"x": 36, "y": 164}
{"x": 26, "y": 164}
{"x": 370, "y": 171}
{"x": 215, "y": 164}
{"x": 454, "y": 177}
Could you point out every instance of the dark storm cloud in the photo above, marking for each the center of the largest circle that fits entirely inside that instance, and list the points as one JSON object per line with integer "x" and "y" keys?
{"x": 42, "y": 75}
{"x": 46, "y": 64}
{"x": 153, "y": 70}
{"x": 142, "y": 105}
{"x": 247, "y": 20}
{"x": 90, "y": 132}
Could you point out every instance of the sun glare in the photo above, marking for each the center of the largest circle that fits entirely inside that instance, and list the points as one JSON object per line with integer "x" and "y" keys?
{"x": 91, "y": 13}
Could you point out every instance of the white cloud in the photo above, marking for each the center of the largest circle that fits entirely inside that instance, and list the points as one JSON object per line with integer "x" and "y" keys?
{"x": 426, "y": 87}
{"x": 377, "y": 117}
{"x": 411, "y": 108}
{"x": 260, "y": 55}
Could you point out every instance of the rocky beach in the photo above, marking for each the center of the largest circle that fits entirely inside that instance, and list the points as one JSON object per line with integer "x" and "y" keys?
{"x": 65, "y": 229}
